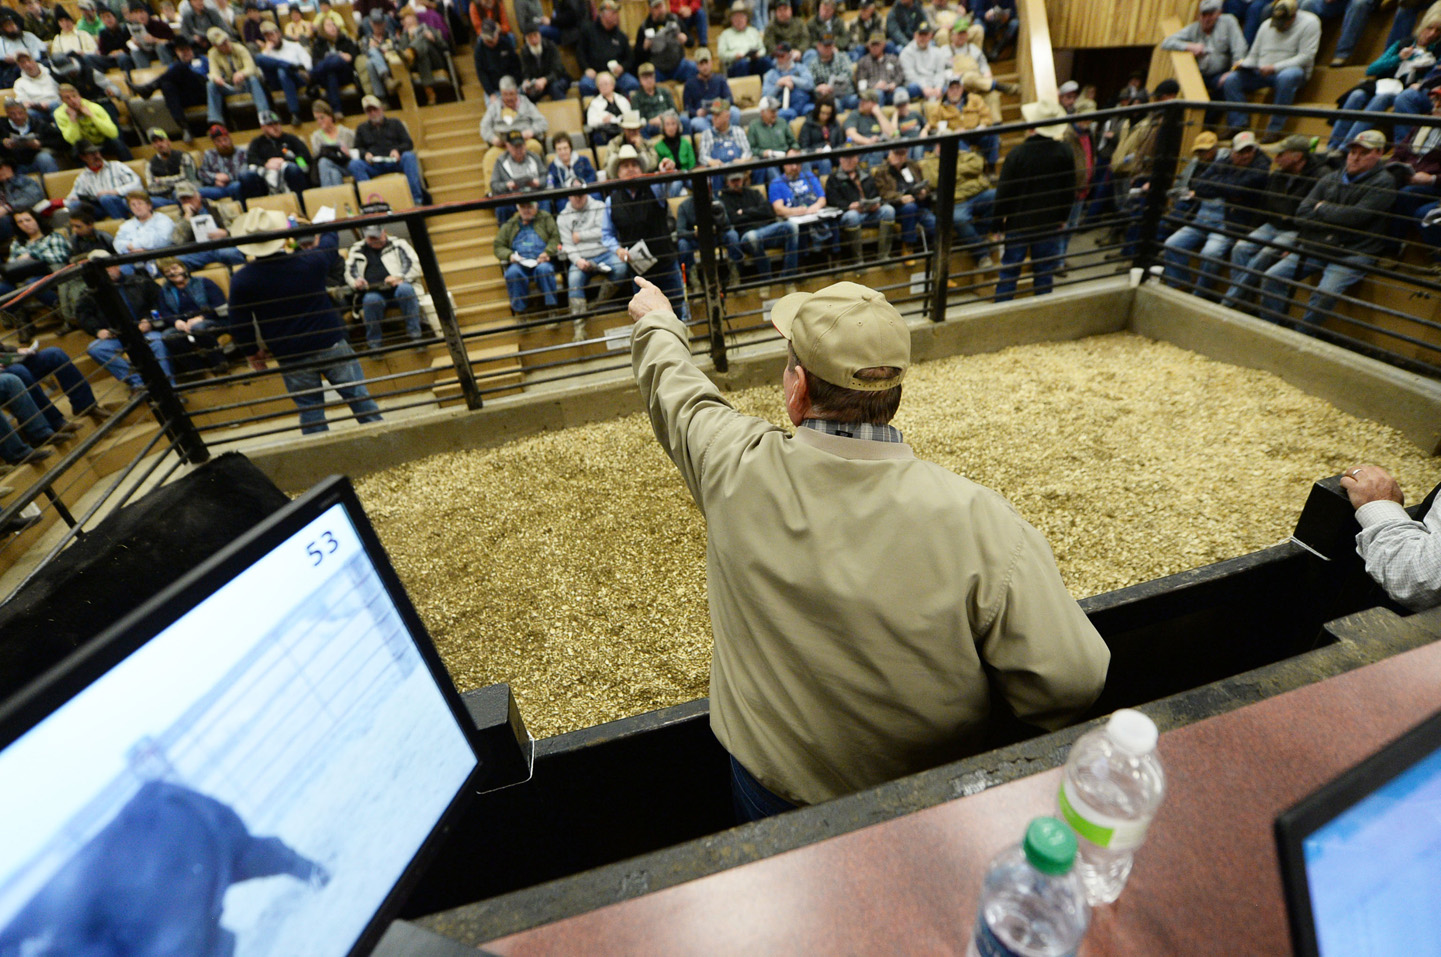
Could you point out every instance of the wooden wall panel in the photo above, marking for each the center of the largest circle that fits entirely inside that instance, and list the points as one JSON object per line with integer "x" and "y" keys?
{"x": 1112, "y": 23}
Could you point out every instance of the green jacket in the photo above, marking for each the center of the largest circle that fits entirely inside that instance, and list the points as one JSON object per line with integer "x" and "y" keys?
{"x": 544, "y": 225}
{"x": 776, "y": 137}
{"x": 685, "y": 160}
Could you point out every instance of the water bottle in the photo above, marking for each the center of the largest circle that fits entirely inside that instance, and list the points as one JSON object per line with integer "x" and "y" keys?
{"x": 1110, "y": 791}
{"x": 1032, "y": 903}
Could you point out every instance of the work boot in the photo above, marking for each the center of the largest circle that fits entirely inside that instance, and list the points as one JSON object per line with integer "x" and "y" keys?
{"x": 605, "y": 292}
{"x": 851, "y": 242}
{"x": 888, "y": 237}
{"x": 1010, "y": 89}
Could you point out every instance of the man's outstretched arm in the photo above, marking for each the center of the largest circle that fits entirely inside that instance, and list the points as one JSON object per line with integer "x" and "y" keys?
{"x": 1401, "y": 554}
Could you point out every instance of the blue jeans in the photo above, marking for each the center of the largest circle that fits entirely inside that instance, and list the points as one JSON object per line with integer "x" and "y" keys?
{"x": 1249, "y": 258}
{"x": 1353, "y": 14}
{"x": 1205, "y": 233}
{"x": 215, "y": 94}
{"x": 576, "y": 278}
{"x": 965, "y": 215}
{"x": 1336, "y": 278}
{"x": 750, "y": 66}
{"x": 880, "y": 216}
{"x": 372, "y": 309}
{"x": 331, "y": 172}
{"x": 282, "y": 74}
{"x": 44, "y": 161}
{"x": 1236, "y": 85}
{"x": 110, "y": 353}
{"x": 1410, "y": 103}
{"x": 231, "y": 256}
{"x": 343, "y": 373}
{"x": 332, "y": 72}
{"x": 54, "y": 361}
{"x": 1342, "y": 132}
{"x": 697, "y": 28}
{"x": 15, "y": 399}
{"x": 517, "y": 284}
{"x": 782, "y": 233}
{"x": 1250, "y": 14}
{"x": 1045, "y": 252}
{"x": 409, "y": 165}
{"x": 751, "y": 799}
{"x": 909, "y": 215}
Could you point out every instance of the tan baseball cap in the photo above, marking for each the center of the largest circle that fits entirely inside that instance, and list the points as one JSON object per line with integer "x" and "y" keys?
{"x": 844, "y": 328}
{"x": 1370, "y": 139}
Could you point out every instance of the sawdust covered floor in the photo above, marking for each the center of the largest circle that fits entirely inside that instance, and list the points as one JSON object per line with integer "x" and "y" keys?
{"x": 572, "y": 564}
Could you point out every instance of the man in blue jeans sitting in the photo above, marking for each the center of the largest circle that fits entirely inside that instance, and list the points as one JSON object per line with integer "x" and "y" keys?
{"x": 385, "y": 146}
{"x": 1281, "y": 58}
{"x": 527, "y": 244}
{"x": 382, "y": 269}
{"x": 22, "y": 445}
{"x": 142, "y": 297}
{"x": 1344, "y": 219}
{"x": 30, "y": 365}
{"x": 752, "y": 225}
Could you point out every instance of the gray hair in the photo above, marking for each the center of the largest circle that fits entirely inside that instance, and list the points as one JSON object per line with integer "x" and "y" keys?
{"x": 669, "y": 115}
{"x": 507, "y": 83}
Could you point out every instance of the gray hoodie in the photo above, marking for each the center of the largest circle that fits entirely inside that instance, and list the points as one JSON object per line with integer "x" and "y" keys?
{"x": 1296, "y": 47}
{"x": 587, "y": 223}
{"x": 526, "y": 117}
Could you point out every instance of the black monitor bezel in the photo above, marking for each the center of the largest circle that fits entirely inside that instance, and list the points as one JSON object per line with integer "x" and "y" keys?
{"x": 61, "y": 683}
{"x": 1328, "y": 802}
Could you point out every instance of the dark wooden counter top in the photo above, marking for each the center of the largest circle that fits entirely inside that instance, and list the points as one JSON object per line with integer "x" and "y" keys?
{"x": 1206, "y": 882}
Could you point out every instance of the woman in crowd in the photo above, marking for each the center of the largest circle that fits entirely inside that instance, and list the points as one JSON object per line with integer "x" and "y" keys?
{"x": 605, "y": 110}
{"x": 1405, "y": 62}
{"x": 331, "y": 144}
{"x": 676, "y": 147}
{"x": 35, "y": 253}
{"x": 822, "y": 128}
{"x": 568, "y": 168}
{"x": 333, "y": 57}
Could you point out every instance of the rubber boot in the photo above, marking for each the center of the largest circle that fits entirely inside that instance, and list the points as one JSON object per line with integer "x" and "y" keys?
{"x": 577, "y": 309}
{"x": 851, "y": 242}
{"x": 888, "y": 237}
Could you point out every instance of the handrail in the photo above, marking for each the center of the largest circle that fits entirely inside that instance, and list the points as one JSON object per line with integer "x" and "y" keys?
{"x": 1034, "y": 59}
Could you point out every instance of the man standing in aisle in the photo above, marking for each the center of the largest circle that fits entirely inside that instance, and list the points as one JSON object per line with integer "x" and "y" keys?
{"x": 865, "y": 604}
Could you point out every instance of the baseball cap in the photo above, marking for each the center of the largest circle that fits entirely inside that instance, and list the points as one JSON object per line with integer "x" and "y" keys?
{"x": 720, "y": 105}
{"x": 216, "y": 36}
{"x": 1070, "y": 86}
{"x": 1243, "y": 140}
{"x": 783, "y": 47}
{"x": 876, "y": 38}
{"x": 1369, "y": 139}
{"x": 1205, "y": 141}
{"x": 1295, "y": 143}
{"x": 156, "y": 133}
{"x": 373, "y": 232}
{"x": 827, "y": 37}
{"x": 1283, "y": 10}
{"x": 924, "y": 27}
{"x": 1167, "y": 88}
{"x": 901, "y": 95}
{"x": 702, "y": 53}
{"x": 768, "y": 103}
{"x": 740, "y": 7}
{"x": 217, "y": 129}
{"x": 185, "y": 188}
{"x": 268, "y": 117}
{"x": 842, "y": 329}
{"x": 645, "y": 69}
{"x": 369, "y": 100}
{"x": 515, "y": 136}
{"x": 269, "y": 26}
{"x": 1210, "y": 6}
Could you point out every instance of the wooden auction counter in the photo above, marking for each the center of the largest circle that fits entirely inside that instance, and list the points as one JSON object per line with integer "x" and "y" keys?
{"x": 1206, "y": 881}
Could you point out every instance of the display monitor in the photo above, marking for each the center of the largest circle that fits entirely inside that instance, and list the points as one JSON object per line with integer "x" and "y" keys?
{"x": 1361, "y": 857}
{"x": 253, "y": 763}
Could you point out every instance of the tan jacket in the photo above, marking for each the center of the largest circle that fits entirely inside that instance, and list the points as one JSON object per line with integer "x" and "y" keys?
{"x": 858, "y": 594}
{"x": 223, "y": 68}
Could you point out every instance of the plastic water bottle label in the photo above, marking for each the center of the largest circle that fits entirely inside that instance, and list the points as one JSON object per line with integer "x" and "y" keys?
{"x": 1102, "y": 830}
{"x": 989, "y": 945}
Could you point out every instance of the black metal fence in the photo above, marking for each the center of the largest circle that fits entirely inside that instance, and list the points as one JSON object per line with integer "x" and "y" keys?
{"x": 947, "y": 252}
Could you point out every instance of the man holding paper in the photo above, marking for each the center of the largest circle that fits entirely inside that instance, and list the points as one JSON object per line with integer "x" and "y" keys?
{"x": 201, "y": 223}
{"x": 638, "y": 226}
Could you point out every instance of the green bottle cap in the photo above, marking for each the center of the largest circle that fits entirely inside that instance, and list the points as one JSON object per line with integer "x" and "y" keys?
{"x": 1050, "y": 846}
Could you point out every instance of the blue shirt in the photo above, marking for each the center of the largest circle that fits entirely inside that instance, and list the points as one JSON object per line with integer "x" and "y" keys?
{"x": 802, "y": 191}
{"x": 699, "y": 93}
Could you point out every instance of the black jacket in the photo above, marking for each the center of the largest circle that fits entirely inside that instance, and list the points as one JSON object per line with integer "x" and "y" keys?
{"x": 1337, "y": 217}
{"x": 747, "y": 209}
{"x": 263, "y": 148}
{"x": 1241, "y": 187}
{"x": 598, "y": 47}
{"x": 1284, "y": 192}
{"x": 1038, "y": 182}
{"x": 492, "y": 63}
{"x": 140, "y": 294}
{"x": 44, "y": 135}
{"x": 391, "y": 134}
{"x": 842, "y": 189}
{"x": 547, "y": 66}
